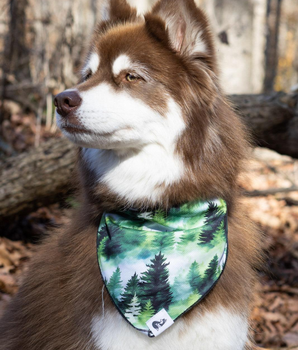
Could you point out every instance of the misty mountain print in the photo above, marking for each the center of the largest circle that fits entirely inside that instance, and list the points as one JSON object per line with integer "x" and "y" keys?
{"x": 162, "y": 260}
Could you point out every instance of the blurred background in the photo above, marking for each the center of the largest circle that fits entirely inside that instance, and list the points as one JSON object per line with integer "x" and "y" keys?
{"x": 42, "y": 44}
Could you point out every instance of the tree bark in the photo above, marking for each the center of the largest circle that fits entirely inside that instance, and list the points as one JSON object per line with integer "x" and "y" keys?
{"x": 36, "y": 178}
{"x": 271, "y": 52}
{"x": 15, "y": 54}
{"x": 39, "y": 177}
{"x": 272, "y": 120}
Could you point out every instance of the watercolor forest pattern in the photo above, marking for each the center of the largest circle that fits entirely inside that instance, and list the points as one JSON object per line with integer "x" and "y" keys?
{"x": 155, "y": 260}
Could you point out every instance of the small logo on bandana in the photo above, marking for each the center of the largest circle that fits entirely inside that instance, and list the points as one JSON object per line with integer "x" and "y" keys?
{"x": 159, "y": 322}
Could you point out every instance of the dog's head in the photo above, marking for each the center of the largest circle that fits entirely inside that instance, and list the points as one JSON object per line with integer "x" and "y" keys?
{"x": 149, "y": 86}
{"x": 136, "y": 80}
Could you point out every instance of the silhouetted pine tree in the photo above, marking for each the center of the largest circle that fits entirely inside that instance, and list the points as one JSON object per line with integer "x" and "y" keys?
{"x": 194, "y": 278}
{"x": 132, "y": 288}
{"x": 155, "y": 283}
{"x": 210, "y": 273}
{"x": 115, "y": 284}
{"x": 213, "y": 219}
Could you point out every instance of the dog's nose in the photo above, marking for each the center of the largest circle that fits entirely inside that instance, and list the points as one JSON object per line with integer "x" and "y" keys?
{"x": 67, "y": 101}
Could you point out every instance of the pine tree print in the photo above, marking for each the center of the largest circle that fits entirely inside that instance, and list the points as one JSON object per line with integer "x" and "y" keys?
{"x": 194, "y": 278}
{"x": 115, "y": 284}
{"x": 160, "y": 217}
{"x": 219, "y": 236}
{"x": 147, "y": 313}
{"x": 133, "y": 310}
{"x": 214, "y": 218}
{"x": 134, "y": 247}
{"x": 163, "y": 241}
{"x": 132, "y": 288}
{"x": 131, "y": 239}
{"x": 193, "y": 298}
{"x": 210, "y": 273}
{"x": 181, "y": 288}
{"x": 101, "y": 247}
{"x": 112, "y": 246}
{"x": 188, "y": 237}
{"x": 155, "y": 283}
{"x": 158, "y": 221}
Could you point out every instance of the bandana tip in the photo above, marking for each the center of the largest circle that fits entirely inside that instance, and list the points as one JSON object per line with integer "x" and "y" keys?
{"x": 159, "y": 322}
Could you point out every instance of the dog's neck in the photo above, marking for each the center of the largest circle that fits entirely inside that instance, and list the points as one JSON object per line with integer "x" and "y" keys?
{"x": 136, "y": 175}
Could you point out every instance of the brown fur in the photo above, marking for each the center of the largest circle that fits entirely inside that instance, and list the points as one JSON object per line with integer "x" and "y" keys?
{"x": 63, "y": 290}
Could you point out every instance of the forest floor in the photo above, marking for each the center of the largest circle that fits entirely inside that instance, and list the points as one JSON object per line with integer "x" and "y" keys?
{"x": 275, "y": 314}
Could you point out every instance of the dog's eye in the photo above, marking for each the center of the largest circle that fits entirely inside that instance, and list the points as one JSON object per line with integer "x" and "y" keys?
{"x": 87, "y": 76}
{"x": 130, "y": 77}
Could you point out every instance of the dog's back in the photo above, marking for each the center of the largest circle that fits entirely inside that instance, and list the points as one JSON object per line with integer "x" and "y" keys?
{"x": 154, "y": 131}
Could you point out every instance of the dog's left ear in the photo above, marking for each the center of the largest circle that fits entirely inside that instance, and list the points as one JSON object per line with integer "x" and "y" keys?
{"x": 118, "y": 11}
{"x": 187, "y": 27}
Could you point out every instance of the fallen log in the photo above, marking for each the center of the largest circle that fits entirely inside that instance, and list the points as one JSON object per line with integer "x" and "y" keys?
{"x": 38, "y": 177}
{"x": 272, "y": 119}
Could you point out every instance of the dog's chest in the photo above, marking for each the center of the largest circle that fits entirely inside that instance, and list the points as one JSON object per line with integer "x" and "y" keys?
{"x": 137, "y": 177}
{"x": 218, "y": 330}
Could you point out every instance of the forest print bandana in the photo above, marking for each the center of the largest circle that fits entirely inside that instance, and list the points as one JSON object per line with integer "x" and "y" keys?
{"x": 157, "y": 265}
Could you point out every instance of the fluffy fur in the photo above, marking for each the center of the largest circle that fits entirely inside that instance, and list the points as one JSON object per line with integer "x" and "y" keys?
{"x": 154, "y": 130}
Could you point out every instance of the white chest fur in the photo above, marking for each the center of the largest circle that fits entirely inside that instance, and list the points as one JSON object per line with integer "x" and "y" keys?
{"x": 218, "y": 330}
{"x": 137, "y": 175}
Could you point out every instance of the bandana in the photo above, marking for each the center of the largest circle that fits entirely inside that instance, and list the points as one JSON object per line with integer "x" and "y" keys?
{"x": 158, "y": 265}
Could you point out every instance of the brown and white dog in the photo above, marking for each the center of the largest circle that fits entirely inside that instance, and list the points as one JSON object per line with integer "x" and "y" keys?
{"x": 154, "y": 130}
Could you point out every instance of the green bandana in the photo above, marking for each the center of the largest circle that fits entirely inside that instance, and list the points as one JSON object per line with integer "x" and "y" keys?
{"x": 157, "y": 265}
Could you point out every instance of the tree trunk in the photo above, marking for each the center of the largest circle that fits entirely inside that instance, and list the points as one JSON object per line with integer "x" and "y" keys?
{"x": 15, "y": 54}
{"x": 271, "y": 52}
{"x": 39, "y": 177}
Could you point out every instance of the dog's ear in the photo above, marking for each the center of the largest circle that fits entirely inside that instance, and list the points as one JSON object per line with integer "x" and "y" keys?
{"x": 118, "y": 11}
{"x": 187, "y": 27}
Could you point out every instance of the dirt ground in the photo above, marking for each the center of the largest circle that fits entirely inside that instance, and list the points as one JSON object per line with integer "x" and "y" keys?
{"x": 275, "y": 314}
